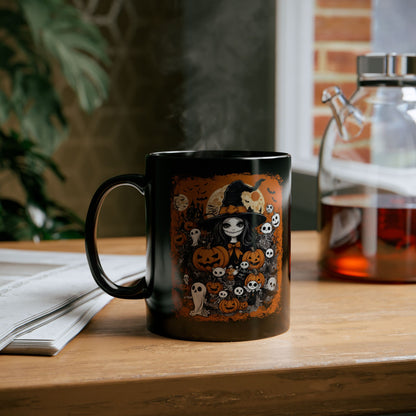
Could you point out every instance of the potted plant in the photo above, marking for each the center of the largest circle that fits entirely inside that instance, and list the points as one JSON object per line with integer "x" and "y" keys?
{"x": 37, "y": 39}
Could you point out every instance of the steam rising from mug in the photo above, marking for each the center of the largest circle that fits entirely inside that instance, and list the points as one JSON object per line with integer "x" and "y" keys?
{"x": 228, "y": 88}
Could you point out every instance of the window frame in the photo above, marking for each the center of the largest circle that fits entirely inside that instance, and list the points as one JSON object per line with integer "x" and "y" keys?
{"x": 294, "y": 83}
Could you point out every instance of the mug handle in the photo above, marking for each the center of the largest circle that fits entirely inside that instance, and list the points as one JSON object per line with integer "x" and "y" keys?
{"x": 140, "y": 289}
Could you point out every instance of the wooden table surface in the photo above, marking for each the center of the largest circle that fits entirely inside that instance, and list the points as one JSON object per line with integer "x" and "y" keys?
{"x": 351, "y": 349}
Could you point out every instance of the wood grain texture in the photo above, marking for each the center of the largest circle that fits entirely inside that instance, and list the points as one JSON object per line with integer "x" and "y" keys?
{"x": 351, "y": 349}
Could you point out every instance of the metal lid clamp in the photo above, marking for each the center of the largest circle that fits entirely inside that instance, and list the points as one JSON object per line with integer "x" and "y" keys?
{"x": 388, "y": 69}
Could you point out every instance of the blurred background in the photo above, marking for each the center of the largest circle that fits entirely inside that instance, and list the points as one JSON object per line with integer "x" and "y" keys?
{"x": 185, "y": 74}
{"x": 182, "y": 75}
{"x": 202, "y": 74}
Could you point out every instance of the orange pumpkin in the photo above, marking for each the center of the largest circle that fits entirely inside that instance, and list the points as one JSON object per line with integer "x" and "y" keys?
{"x": 189, "y": 225}
{"x": 180, "y": 239}
{"x": 255, "y": 258}
{"x": 243, "y": 305}
{"x": 214, "y": 287}
{"x": 206, "y": 259}
{"x": 229, "y": 305}
{"x": 259, "y": 278}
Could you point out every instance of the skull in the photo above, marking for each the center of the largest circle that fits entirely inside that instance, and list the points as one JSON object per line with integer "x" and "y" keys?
{"x": 195, "y": 234}
{"x": 244, "y": 265}
{"x": 276, "y": 220}
{"x": 252, "y": 285}
{"x": 238, "y": 290}
{"x": 223, "y": 294}
{"x": 218, "y": 272}
{"x": 266, "y": 228}
{"x": 269, "y": 208}
{"x": 198, "y": 288}
{"x": 271, "y": 284}
{"x": 269, "y": 253}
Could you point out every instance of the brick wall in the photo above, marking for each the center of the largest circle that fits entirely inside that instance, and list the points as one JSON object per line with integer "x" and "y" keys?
{"x": 342, "y": 32}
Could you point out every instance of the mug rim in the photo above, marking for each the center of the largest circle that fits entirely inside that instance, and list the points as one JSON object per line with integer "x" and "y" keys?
{"x": 219, "y": 154}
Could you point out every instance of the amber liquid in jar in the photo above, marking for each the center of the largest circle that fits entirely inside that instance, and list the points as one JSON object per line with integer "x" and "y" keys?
{"x": 370, "y": 238}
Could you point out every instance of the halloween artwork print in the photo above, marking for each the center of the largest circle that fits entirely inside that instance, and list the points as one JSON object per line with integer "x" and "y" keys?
{"x": 226, "y": 238}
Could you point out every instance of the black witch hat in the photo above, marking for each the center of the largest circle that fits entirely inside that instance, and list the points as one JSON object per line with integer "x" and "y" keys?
{"x": 232, "y": 204}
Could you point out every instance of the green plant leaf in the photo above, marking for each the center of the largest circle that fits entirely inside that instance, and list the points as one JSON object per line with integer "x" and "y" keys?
{"x": 18, "y": 39}
{"x": 6, "y": 55}
{"x": 41, "y": 217}
{"x": 4, "y": 107}
{"x": 88, "y": 79}
{"x": 38, "y": 109}
{"x": 12, "y": 21}
{"x": 14, "y": 223}
{"x": 75, "y": 43}
{"x": 44, "y": 118}
{"x": 33, "y": 35}
{"x": 21, "y": 157}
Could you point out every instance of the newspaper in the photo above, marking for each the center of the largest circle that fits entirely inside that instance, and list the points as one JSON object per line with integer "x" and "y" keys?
{"x": 46, "y": 298}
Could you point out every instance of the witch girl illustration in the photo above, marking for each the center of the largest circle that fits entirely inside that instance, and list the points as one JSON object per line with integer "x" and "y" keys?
{"x": 225, "y": 270}
{"x": 233, "y": 227}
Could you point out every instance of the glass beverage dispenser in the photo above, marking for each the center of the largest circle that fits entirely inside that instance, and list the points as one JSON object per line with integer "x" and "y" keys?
{"x": 367, "y": 174}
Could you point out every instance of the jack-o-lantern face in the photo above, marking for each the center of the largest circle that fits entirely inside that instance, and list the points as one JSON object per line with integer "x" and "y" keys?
{"x": 189, "y": 225}
{"x": 206, "y": 259}
{"x": 243, "y": 305}
{"x": 214, "y": 287}
{"x": 180, "y": 239}
{"x": 254, "y": 258}
{"x": 229, "y": 305}
{"x": 259, "y": 278}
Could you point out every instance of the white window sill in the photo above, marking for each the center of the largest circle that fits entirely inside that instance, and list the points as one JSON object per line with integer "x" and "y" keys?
{"x": 294, "y": 83}
{"x": 305, "y": 166}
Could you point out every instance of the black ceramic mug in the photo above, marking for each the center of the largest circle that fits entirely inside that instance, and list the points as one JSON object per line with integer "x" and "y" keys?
{"x": 218, "y": 244}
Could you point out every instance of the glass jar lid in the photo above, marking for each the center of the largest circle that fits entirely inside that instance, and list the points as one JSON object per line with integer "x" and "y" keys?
{"x": 387, "y": 68}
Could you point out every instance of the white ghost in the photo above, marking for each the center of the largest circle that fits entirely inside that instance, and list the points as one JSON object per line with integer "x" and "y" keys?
{"x": 198, "y": 296}
{"x": 195, "y": 234}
